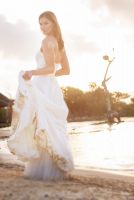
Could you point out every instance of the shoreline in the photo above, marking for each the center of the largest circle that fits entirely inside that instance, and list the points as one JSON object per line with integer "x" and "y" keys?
{"x": 81, "y": 184}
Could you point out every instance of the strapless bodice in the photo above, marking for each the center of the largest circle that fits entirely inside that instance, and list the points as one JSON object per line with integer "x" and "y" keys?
{"x": 40, "y": 60}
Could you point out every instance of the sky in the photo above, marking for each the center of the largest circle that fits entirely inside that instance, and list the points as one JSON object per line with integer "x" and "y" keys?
{"x": 90, "y": 28}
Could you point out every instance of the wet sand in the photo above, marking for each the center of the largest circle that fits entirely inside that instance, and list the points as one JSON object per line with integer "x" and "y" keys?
{"x": 79, "y": 184}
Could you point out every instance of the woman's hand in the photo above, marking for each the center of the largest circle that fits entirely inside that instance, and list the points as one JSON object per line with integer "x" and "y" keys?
{"x": 27, "y": 75}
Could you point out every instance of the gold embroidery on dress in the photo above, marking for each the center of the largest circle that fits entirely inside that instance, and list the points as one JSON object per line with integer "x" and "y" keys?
{"x": 17, "y": 107}
{"x": 43, "y": 142}
{"x": 40, "y": 136}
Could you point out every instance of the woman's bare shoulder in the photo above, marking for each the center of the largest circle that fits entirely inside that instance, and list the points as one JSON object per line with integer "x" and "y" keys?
{"x": 50, "y": 42}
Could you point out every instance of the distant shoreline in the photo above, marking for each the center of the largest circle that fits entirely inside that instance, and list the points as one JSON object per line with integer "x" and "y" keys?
{"x": 79, "y": 119}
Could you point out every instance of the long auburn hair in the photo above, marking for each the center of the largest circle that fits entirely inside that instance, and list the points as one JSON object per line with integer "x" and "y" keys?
{"x": 56, "y": 29}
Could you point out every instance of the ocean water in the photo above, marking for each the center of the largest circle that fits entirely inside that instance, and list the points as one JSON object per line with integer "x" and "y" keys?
{"x": 97, "y": 145}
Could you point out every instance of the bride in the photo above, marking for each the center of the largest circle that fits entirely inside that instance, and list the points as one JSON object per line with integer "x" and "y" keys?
{"x": 39, "y": 120}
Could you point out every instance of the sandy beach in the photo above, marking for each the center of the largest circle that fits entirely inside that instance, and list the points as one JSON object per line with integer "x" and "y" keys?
{"x": 79, "y": 185}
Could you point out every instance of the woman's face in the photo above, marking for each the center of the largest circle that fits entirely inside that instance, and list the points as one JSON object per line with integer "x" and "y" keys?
{"x": 46, "y": 26}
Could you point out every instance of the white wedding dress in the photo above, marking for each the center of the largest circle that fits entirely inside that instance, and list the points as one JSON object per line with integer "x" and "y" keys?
{"x": 39, "y": 123}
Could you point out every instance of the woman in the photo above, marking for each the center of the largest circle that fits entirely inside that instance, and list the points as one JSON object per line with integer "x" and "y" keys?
{"x": 39, "y": 119}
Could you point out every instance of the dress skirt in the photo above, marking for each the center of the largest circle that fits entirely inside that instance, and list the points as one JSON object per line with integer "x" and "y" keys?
{"x": 39, "y": 129}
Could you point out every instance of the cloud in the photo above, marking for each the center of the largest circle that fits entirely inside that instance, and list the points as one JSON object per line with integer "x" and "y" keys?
{"x": 120, "y": 9}
{"x": 123, "y": 9}
{"x": 79, "y": 44}
{"x": 20, "y": 42}
{"x": 113, "y": 14}
{"x": 17, "y": 40}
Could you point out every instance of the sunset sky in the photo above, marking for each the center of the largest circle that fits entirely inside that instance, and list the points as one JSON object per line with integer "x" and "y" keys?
{"x": 90, "y": 28}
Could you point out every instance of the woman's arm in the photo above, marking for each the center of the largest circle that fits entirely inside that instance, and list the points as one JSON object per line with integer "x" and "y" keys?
{"x": 65, "y": 69}
{"x": 48, "y": 47}
{"x": 49, "y": 56}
